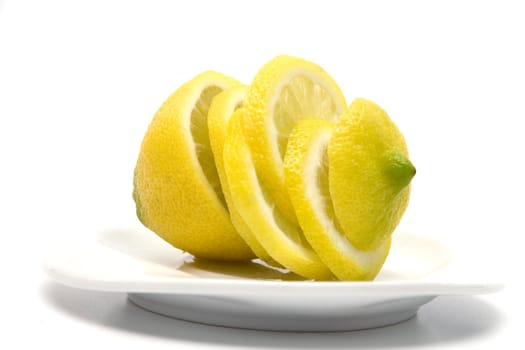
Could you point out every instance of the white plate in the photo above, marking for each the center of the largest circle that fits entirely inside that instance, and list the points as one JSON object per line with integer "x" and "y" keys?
{"x": 162, "y": 279}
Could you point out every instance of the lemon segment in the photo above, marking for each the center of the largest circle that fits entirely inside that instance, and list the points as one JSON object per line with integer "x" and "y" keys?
{"x": 306, "y": 173}
{"x": 222, "y": 107}
{"x": 282, "y": 239}
{"x": 176, "y": 186}
{"x": 369, "y": 174}
{"x": 284, "y": 91}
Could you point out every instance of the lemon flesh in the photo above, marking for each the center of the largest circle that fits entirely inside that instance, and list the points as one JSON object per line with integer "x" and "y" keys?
{"x": 282, "y": 239}
{"x": 284, "y": 91}
{"x": 306, "y": 173}
{"x": 222, "y": 108}
{"x": 177, "y": 188}
{"x": 369, "y": 174}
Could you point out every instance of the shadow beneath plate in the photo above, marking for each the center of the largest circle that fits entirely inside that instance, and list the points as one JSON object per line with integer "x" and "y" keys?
{"x": 444, "y": 320}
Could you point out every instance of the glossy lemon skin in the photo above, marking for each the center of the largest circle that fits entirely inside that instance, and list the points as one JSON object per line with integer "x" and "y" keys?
{"x": 368, "y": 200}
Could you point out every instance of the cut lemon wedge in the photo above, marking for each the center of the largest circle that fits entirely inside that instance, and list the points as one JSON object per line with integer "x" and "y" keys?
{"x": 282, "y": 239}
{"x": 306, "y": 172}
{"x": 222, "y": 108}
{"x": 284, "y": 91}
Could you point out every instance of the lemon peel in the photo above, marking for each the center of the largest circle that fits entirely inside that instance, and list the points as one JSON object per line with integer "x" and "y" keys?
{"x": 369, "y": 174}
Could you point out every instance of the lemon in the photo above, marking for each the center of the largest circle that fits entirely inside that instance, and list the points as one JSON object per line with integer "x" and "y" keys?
{"x": 284, "y": 91}
{"x": 221, "y": 109}
{"x": 282, "y": 239}
{"x": 369, "y": 174}
{"x": 306, "y": 174}
{"x": 177, "y": 188}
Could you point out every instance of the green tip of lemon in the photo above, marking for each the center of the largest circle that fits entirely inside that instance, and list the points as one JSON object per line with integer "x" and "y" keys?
{"x": 399, "y": 170}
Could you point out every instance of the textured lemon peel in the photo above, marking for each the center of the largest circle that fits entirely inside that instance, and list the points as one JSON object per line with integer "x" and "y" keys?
{"x": 370, "y": 215}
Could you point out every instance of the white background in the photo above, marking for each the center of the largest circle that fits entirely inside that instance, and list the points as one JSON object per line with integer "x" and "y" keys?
{"x": 80, "y": 80}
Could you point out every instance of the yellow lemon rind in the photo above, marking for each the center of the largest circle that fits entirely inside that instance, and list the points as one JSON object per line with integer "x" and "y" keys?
{"x": 368, "y": 206}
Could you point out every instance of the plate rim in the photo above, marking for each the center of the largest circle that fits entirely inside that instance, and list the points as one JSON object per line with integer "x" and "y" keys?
{"x": 238, "y": 286}
{"x": 54, "y": 267}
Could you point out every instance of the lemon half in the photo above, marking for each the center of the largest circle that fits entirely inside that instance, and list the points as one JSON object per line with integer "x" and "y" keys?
{"x": 177, "y": 189}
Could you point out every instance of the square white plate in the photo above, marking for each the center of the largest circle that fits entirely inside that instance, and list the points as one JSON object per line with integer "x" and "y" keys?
{"x": 165, "y": 280}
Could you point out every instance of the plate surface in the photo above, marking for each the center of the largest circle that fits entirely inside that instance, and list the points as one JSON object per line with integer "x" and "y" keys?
{"x": 165, "y": 280}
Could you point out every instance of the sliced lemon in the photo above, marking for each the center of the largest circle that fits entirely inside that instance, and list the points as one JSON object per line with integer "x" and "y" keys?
{"x": 281, "y": 238}
{"x": 306, "y": 173}
{"x": 177, "y": 189}
{"x": 369, "y": 174}
{"x": 221, "y": 109}
{"x": 284, "y": 91}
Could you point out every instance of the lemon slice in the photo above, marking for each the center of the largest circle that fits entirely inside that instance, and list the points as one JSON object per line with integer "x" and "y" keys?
{"x": 282, "y": 239}
{"x": 369, "y": 174}
{"x": 284, "y": 91}
{"x": 221, "y": 109}
{"x": 177, "y": 189}
{"x": 306, "y": 172}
